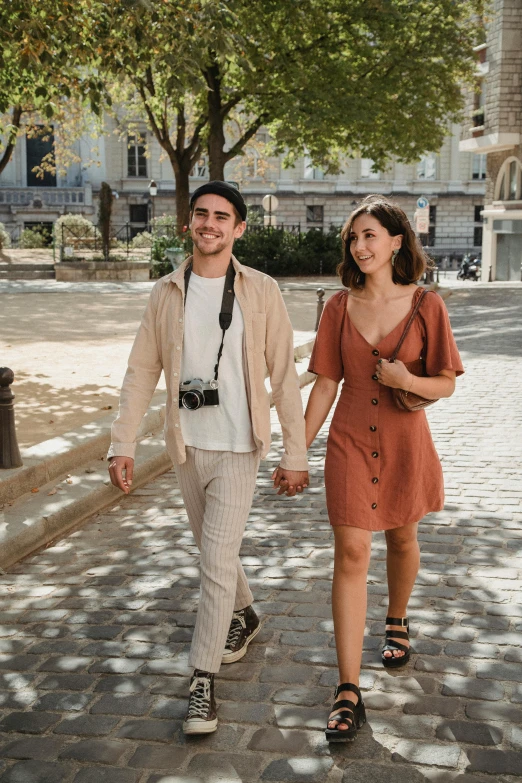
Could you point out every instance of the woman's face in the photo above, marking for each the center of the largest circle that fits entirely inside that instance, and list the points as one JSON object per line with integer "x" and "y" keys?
{"x": 371, "y": 245}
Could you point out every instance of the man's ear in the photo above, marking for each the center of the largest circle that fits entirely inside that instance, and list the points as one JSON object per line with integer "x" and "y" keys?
{"x": 240, "y": 229}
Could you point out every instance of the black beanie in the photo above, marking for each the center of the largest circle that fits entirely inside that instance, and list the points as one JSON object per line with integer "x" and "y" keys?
{"x": 220, "y": 188}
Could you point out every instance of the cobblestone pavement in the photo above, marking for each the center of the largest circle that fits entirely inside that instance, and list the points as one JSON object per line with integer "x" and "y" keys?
{"x": 95, "y": 630}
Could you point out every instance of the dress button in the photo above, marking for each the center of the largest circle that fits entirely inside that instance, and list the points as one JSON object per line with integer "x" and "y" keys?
{"x": 178, "y": 347}
{"x": 376, "y": 352}
{"x": 375, "y": 377}
{"x": 375, "y": 402}
{"x": 373, "y": 428}
{"x": 375, "y": 480}
{"x": 176, "y": 425}
{"x": 375, "y": 454}
{"x": 374, "y": 505}
{"x": 175, "y": 375}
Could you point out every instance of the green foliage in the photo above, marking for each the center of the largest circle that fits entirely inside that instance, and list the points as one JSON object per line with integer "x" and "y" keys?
{"x": 45, "y": 49}
{"x": 332, "y": 77}
{"x": 141, "y": 240}
{"x": 75, "y": 227}
{"x": 32, "y": 238}
{"x": 165, "y": 237}
{"x": 283, "y": 253}
{"x": 5, "y": 239}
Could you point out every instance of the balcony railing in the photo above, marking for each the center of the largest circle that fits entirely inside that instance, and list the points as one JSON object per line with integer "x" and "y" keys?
{"x": 48, "y": 197}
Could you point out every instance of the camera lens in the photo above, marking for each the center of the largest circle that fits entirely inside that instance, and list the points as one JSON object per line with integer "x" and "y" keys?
{"x": 192, "y": 400}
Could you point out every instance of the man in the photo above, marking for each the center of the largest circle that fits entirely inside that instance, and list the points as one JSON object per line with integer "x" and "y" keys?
{"x": 214, "y": 326}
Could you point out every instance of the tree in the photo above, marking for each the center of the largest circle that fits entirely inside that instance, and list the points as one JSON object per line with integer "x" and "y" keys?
{"x": 379, "y": 78}
{"x": 43, "y": 79}
{"x": 105, "y": 218}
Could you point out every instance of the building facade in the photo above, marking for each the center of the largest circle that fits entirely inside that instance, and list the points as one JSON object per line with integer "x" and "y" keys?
{"x": 495, "y": 131}
{"x": 453, "y": 180}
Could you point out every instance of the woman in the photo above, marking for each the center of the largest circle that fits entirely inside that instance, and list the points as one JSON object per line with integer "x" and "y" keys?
{"x": 382, "y": 471}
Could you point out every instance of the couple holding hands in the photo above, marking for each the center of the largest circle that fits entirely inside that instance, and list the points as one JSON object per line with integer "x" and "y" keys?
{"x": 213, "y": 327}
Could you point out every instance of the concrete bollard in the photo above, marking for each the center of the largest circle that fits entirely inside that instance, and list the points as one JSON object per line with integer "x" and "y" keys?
{"x": 320, "y": 305}
{"x": 9, "y": 452}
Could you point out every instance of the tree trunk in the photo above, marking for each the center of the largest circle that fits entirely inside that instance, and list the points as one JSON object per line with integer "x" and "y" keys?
{"x": 182, "y": 197}
{"x": 9, "y": 147}
{"x": 216, "y": 135}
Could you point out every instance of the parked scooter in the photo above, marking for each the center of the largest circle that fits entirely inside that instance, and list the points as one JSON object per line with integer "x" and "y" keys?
{"x": 469, "y": 269}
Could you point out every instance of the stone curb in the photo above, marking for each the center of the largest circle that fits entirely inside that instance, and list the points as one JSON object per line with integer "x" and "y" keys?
{"x": 30, "y": 523}
{"x": 49, "y": 460}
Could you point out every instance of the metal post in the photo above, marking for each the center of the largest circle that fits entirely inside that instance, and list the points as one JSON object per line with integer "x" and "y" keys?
{"x": 9, "y": 452}
{"x": 320, "y": 305}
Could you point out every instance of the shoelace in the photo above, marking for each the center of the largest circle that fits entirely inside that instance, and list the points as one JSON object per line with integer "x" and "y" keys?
{"x": 236, "y": 627}
{"x": 199, "y": 702}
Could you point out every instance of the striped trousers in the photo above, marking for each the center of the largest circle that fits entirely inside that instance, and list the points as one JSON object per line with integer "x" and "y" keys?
{"x": 217, "y": 489}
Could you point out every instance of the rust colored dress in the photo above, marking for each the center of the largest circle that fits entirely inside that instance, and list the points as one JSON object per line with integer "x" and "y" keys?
{"x": 381, "y": 469}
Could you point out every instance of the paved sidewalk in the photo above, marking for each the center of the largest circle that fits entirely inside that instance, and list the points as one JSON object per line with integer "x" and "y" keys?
{"x": 95, "y": 630}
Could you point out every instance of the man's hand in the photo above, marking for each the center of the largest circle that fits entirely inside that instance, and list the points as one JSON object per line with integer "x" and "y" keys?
{"x": 290, "y": 482}
{"x": 117, "y": 467}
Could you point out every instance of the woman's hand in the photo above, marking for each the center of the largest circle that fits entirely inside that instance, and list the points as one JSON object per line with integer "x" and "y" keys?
{"x": 394, "y": 374}
{"x": 290, "y": 481}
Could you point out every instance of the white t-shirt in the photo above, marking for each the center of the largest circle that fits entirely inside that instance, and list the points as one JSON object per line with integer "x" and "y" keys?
{"x": 228, "y": 426}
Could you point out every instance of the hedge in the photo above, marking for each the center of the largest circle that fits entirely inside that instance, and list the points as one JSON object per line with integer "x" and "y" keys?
{"x": 282, "y": 253}
{"x": 277, "y": 252}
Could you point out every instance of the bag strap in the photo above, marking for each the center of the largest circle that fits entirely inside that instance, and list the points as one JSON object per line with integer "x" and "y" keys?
{"x": 408, "y": 325}
{"x": 227, "y": 306}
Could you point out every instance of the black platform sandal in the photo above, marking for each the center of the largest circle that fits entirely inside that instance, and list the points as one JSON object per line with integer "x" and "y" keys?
{"x": 395, "y": 662}
{"x": 352, "y": 714}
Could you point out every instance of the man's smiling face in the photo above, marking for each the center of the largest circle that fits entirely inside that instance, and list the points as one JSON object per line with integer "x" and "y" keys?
{"x": 215, "y": 224}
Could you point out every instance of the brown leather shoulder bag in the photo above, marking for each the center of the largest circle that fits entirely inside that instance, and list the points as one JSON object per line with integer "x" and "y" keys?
{"x": 408, "y": 401}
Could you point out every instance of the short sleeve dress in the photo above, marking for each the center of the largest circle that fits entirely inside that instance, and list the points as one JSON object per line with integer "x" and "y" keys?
{"x": 382, "y": 470}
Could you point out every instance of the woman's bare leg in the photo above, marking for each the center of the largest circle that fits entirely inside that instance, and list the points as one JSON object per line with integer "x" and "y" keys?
{"x": 402, "y": 563}
{"x": 352, "y": 557}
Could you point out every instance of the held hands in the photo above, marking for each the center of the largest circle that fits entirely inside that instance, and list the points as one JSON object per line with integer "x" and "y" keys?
{"x": 290, "y": 482}
{"x": 117, "y": 467}
{"x": 395, "y": 374}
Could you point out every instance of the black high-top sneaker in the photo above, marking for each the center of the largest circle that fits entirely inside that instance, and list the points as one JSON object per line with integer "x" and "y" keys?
{"x": 201, "y": 715}
{"x": 244, "y": 626}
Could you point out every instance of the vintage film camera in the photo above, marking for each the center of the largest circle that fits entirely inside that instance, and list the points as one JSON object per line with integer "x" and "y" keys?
{"x": 197, "y": 394}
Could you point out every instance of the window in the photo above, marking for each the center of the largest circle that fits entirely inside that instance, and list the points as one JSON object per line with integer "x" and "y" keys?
{"x": 427, "y": 167}
{"x": 39, "y": 147}
{"x": 311, "y": 171}
{"x": 513, "y": 181}
{"x": 477, "y": 236}
{"x": 315, "y": 214}
{"x": 367, "y": 171}
{"x": 509, "y": 185}
{"x": 136, "y": 160}
{"x": 138, "y": 213}
{"x": 478, "y": 214}
{"x": 252, "y": 168}
{"x": 479, "y": 166}
{"x": 200, "y": 169}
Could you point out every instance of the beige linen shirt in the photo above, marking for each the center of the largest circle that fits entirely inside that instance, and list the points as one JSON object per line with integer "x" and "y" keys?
{"x": 268, "y": 343}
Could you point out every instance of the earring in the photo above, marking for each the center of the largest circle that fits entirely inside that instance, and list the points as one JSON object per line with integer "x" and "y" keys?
{"x": 394, "y": 256}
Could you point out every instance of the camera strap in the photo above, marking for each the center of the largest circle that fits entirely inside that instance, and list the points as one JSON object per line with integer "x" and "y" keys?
{"x": 227, "y": 306}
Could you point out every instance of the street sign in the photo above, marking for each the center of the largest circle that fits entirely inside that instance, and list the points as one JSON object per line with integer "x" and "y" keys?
{"x": 422, "y": 225}
{"x": 270, "y": 203}
{"x": 422, "y": 212}
{"x": 422, "y": 202}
